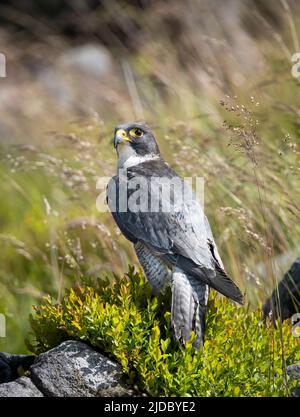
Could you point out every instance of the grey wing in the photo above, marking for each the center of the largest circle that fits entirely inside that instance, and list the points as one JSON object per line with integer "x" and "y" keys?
{"x": 123, "y": 219}
{"x": 181, "y": 229}
{"x": 182, "y": 235}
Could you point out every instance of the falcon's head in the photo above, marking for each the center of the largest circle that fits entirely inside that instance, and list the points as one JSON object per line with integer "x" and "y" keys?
{"x": 135, "y": 141}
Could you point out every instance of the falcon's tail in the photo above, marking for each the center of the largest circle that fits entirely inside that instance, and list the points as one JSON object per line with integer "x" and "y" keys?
{"x": 189, "y": 301}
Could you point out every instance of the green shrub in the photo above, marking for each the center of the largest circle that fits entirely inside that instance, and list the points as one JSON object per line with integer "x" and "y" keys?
{"x": 123, "y": 319}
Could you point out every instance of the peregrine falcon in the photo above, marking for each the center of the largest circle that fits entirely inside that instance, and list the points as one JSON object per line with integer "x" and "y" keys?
{"x": 173, "y": 246}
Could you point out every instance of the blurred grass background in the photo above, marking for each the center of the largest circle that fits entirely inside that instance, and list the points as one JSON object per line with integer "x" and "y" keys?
{"x": 212, "y": 78}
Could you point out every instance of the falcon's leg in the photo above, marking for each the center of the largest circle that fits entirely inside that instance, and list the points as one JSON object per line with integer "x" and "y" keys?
{"x": 154, "y": 268}
{"x": 189, "y": 302}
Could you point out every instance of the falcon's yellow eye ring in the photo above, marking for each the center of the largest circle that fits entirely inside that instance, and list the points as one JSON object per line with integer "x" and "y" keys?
{"x": 136, "y": 132}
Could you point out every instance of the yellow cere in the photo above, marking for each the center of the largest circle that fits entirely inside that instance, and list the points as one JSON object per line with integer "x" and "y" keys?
{"x": 123, "y": 134}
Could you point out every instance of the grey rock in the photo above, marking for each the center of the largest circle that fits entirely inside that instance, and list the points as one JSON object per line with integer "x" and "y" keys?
{"x": 91, "y": 60}
{"x": 56, "y": 85}
{"x": 73, "y": 80}
{"x": 21, "y": 387}
{"x": 285, "y": 299}
{"x": 294, "y": 371}
{"x": 9, "y": 365}
{"x": 296, "y": 392}
{"x": 73, "y": 369}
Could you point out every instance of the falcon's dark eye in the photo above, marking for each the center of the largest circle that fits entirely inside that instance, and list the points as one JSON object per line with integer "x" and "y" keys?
{"x": 136, "y": 132}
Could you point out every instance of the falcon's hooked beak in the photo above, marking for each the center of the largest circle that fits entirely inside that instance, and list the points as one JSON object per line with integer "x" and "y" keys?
{"x": 121, "y": 137}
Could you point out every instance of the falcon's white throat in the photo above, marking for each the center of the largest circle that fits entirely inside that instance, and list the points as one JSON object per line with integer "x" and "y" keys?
{"x": 127, "y": 157}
